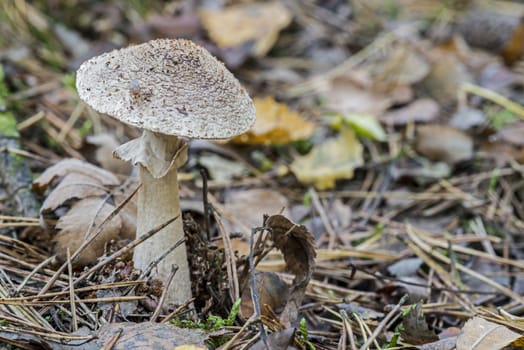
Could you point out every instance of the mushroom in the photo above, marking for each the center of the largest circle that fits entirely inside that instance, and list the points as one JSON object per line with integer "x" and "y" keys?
{"x": 172, "y": 89}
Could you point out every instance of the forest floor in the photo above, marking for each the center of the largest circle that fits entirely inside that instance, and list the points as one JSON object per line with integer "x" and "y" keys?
{"x": 377, "y": 202}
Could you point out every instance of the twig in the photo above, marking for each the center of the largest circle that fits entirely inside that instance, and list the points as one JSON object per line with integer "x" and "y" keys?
{"x": 155, "y": 262}
{"x": 109, "y": 345}
{"x": 248, "y": 323}
{"x": 231, "y": 265}
{"x": 158, "y": 309}
{"x": 71, "y": 291}
{"x": 254, "y": 291}
{"x": 348, "y": 329}
{"x": 207, "y": 225}
{"x": 177, "y": 310}
{"x": 493, "y": 97}
{"x": 383, "y": 323}
{"x": 325, "y": 219}
{"x": 32, "y": 273}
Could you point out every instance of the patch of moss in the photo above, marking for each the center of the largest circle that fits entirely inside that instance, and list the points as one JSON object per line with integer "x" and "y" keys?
{"x": 8, "y": 125}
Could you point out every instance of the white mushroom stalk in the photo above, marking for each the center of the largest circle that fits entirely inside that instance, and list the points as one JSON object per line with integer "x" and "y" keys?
{"x": 170, "y": 89}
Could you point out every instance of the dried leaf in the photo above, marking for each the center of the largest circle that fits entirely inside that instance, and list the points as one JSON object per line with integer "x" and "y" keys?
{"x": 106, "y": 144}
{"x": 479, "y": 334}
{"x": 220, "y": 168}
{"x": 416, "y": 329}
{"x": 446, "y": 75}
{"x": 422, "y": 110}
{"x": 366, "y": 125}
{"x": 146, "y": 335}
{"x": 236, "y": 25}
{"x": 457, "y": 147}
{"x": 399, "y": 64}
{"x": 442, "y": 344}
{"x": 72, "y": 186}
{"x": 281, "y": 340}
{"x": 344, "y": 96}
{"x": 333, "y": 160}
{"x": 272, "y": 291}
{"x": 466, "y": 118}
{"x": 249, "y": 205}
{"x": 67, "y": 166}
{"x": 513, "y": 134}
{"x": 297, "y": 246}
{"x": 82, "y": 218}
{"x": 275, "y": 124}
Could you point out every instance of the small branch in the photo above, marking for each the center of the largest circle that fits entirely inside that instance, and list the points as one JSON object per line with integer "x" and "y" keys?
{"x": 158, "y": 309}
{"x": 383, "y": 323}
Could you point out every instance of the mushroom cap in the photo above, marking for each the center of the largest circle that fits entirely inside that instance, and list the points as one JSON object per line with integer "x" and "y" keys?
{"x": 169, "y": 86}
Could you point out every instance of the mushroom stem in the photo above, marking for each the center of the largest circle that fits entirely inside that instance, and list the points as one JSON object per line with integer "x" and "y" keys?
{"x": 158, "y": 201}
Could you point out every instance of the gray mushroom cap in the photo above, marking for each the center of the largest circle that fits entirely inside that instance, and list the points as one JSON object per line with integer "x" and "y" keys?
{"x": 169, "y": 86}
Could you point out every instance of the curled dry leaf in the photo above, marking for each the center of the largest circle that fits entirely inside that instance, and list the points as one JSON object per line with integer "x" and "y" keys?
{"x": 236, "y": 25}
{"x": 275, "y": 124}
{"x": 443, "y": 143}
{"x": 73, "y": 186}
{"x": 81, "y": 190}
{"x": 67, "y": 166}
{"x": 296, "y": 244}
{"x": 330, "y": 161}
{"x": 83, "y": 219}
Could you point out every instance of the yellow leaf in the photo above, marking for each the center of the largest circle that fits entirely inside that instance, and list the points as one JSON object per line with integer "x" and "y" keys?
{"x": 275, "y": 124}
{"x": 334, "y": 159}
{"x": 236, "y": 25}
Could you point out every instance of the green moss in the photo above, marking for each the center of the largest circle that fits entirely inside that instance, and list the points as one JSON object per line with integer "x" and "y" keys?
{"x": 8, "y": 125}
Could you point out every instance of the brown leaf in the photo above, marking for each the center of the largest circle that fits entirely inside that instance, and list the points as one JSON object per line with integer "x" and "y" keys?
{"x": 513, "y": 134}
{"x": 258, "y": 22}
{"x": 416, "y": 329}
{"x": 479, "y": 334}
{"x": 248, "y": 207}
{"x": 297, "y": 246}
{"x": 422, "y": 110}
{"x": 148, "y": 335}
{"x": 272, "y": 291}
{"x": 106, "y": 143}
{"x": 72, "y": 186}
{"x": 282, "y": 340}
{"x": 446, "y": 75}
{"x": 78, "y": 222}
{"x": 67, "y": 166}
{"x": 344, "y": 95}
{"x": 443, "y": 143}
{"x": 398, "y": 64}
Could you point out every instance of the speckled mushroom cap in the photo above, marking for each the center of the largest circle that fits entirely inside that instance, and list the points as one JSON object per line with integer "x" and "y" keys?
{"x": 170, "y": 86}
